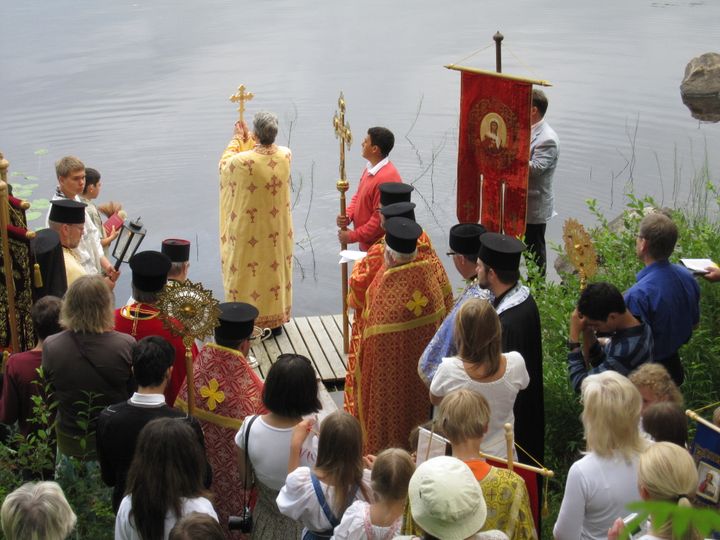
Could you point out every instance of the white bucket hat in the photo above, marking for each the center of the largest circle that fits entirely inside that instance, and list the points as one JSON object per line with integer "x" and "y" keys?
{"x": 446, "y": 499}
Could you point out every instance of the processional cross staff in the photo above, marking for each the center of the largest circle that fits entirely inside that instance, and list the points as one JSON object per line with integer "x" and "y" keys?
{"x": 343, "y": 133}
{"x": 240, "y": 97}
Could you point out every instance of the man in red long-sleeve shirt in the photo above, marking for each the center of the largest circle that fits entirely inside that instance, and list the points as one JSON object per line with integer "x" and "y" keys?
{"x": 362, "y": 211}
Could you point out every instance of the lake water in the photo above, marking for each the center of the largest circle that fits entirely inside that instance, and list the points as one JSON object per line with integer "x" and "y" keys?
{"x": 139, "y": 90}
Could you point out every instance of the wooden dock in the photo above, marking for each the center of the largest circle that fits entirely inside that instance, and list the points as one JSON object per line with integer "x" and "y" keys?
{"x": 318, "y": 337}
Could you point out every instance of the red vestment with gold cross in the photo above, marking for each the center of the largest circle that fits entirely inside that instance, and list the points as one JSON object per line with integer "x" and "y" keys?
{"x": 226, "y": 391}
{"x": 405, "y": 306}
{"x": 363, "y": 274}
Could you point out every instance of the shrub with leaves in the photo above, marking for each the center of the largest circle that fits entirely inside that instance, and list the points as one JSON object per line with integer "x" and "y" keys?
{"x": 699, "y": 235}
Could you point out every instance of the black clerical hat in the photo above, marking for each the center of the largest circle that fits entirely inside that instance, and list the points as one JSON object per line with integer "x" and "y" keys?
{"x": 177, "y": 249}
{"x": 500, "y": 251}
{"x": 67, "y": 211}
{"x": 465, "y": 238}
{"x": 400, "y": 209}
{"x": 237, "y": 320}
{"x": 149, "y": 270}
{"x": 401, "y": 234}
{"x": 394, "y": 192}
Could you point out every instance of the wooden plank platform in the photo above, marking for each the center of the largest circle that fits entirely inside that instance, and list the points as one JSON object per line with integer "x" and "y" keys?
{"x": 318, "y": 337}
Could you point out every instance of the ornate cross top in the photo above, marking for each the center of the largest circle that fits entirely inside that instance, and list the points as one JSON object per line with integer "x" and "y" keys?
{"x": 240, "y": 97}
{"x": 342, "y": 132}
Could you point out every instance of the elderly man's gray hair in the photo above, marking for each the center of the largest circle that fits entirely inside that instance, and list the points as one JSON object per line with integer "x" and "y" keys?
{"x": 265, "y": 127}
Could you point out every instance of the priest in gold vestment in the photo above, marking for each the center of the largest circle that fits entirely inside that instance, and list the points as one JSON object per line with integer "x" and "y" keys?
{"x": 256, "y": 233}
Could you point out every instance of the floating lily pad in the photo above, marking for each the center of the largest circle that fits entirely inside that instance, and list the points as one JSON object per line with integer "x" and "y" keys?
{"x": 40, "y": 204}
{"x": 17, "y": 173}
{"x": 32, "y": 215}
{"x": 30, "y": 177}
{"x": 41, "y": 151}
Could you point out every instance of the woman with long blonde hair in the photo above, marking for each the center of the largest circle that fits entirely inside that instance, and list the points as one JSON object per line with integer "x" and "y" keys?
{"x": 481, "y": 366}
{"x": 603, "y": 482}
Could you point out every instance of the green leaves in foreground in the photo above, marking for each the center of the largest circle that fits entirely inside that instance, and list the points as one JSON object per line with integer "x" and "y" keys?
{"x": 682, "y": 518}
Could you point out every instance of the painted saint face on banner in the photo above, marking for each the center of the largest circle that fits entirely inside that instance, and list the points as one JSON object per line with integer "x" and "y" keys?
{"x": 493, "y": 132}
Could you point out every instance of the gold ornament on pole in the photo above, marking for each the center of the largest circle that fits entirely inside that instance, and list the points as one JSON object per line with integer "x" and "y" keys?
{"x": 197, "y": 311}
{"x": 580, "y": 250}
{"x": 240, "y": 97}
{"x": 343, "y": 133}
{"x": 7, "y": 257}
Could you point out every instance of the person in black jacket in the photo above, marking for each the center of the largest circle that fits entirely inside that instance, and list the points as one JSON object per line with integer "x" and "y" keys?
{"x": 119, "y": 425}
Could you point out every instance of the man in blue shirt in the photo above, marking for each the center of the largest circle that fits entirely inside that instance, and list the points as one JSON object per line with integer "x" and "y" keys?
{"x": 601, "y": 309}
{"x": 665, "y": 296}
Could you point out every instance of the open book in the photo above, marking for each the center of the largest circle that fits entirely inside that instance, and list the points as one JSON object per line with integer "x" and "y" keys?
{"x": 697, "y": 266}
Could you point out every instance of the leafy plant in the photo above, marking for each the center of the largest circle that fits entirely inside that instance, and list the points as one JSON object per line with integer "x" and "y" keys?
{"x": 614, "y": 242}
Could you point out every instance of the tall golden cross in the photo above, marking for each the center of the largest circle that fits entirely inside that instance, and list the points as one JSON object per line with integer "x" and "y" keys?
{"x": 241, "y": 96}
{"x": 342, "y": 132}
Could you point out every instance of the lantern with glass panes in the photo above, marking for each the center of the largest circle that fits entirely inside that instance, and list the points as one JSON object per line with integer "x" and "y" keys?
{"x": 128, "y": 241}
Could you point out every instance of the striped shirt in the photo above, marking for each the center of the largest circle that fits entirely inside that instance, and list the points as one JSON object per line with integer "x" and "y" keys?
{"x": 626, "y": 350}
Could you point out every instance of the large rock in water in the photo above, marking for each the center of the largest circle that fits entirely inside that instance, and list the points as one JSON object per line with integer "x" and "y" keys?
{"x": 700, "y": 88}
{"x": 702, "y": 76}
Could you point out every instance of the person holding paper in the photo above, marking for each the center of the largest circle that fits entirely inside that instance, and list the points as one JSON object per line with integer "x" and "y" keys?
{"x": 362, "y": 210}
{"x": 665, "y": 296}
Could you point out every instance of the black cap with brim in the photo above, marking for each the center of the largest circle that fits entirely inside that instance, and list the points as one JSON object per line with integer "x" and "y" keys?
{"x": 177, "y": 249}
{"x": 394, "y": 192}
{"x": 465, "y": 238}
{"x": 401, "y": 234}
{"x": 67, "y": 211}
{"x": 237, "y": 320}
{"x": 500, "y": 251}
{"x": 401, "y": 209}
{"x": 149, "y": 270}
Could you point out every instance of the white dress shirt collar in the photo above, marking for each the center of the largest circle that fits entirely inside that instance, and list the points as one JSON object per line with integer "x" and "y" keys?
{"x": 147, "y": 400}
{"x": 372, "y": 171}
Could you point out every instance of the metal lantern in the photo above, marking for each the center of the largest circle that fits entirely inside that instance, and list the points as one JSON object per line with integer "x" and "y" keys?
{"x": 128, "y": 241}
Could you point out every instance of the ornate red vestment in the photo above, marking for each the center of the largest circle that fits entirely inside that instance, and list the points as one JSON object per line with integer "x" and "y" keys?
{"x": 362, "y": 276}
{"x": 142, "y": 320}
{"x": 226, "y": 391}
{"x": 405, "y": 306}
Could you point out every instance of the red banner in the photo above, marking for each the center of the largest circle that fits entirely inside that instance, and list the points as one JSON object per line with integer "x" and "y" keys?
{"x": 493, "y": 152}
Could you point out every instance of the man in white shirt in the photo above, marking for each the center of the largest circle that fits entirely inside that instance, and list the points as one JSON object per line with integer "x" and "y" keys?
{"x": 70, "y": 173}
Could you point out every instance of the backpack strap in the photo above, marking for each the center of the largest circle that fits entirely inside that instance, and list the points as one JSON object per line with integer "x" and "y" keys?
{"x": 334, "y": 522}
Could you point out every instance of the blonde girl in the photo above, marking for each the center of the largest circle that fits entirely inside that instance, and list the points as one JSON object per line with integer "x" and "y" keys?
{"x": 382, "y": 519}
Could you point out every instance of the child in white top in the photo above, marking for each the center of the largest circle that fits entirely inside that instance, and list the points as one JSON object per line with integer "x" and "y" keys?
{"x": 382, "y": 519}
{"x": 319, "y": 497}
{"x": 481, "y": 367}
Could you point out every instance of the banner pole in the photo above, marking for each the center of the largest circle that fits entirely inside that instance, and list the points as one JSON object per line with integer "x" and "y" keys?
{"x": 498, "y": 37}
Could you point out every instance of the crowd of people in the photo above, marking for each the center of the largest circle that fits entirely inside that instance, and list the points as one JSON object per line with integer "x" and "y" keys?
{"x": 266, "y": 458}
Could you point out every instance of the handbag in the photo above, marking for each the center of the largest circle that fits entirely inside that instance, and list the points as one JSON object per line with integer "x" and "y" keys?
{"x": 246, "y": 522}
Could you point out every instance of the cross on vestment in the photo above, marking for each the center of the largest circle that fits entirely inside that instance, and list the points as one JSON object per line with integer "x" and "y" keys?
{"x": 240, "y": 97}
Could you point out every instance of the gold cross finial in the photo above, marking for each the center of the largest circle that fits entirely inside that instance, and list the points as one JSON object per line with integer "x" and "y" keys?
{"x": 342, "y": 132}
{"x": 241, "y": 96}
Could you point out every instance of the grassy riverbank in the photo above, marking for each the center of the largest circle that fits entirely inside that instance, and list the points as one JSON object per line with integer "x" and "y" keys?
{"x": 699, "y": 237}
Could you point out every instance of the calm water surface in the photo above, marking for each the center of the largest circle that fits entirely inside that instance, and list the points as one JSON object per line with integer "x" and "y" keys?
{"x": 139, "y": 90}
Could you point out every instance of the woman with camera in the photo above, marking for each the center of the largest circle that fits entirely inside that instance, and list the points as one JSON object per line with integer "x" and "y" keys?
{"x": 263, "y": 441}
